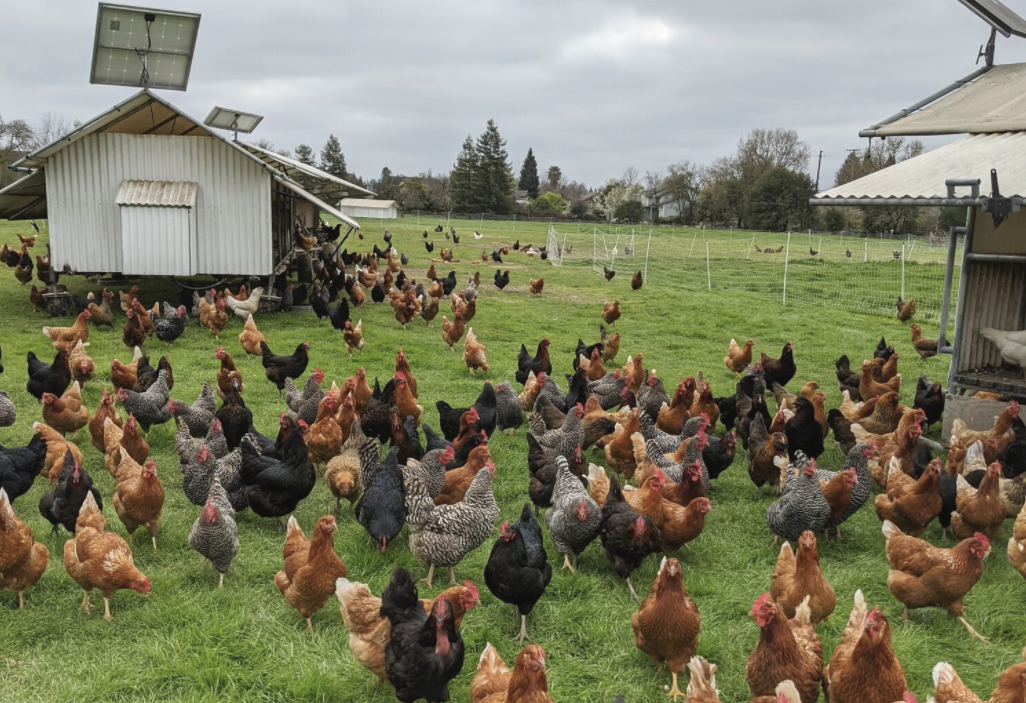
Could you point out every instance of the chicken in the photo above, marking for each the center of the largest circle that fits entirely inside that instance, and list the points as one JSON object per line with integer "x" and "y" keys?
{"x": 493, "y": 682}
{"x": 133, "y": 333}
{"x": 627, "y": 537}
{"x": 227, "y": 374}
{"x": 863, "y": 667}
{"x": 452, "y": 332}
{"x": 869, "y": 388}
{"x": 303, "y": 405}
{"x": 22, "y": 559}
{"x": 474, "y": 354}
{"x": 926, "y": 348}
{"x": 1010, "y": 344}
{"x": 214, "y": 316}
{"x": 979, "y": 510}
{"x": 887, "y": 412}
{"x": 424, "y": 652}
{"x": 610, "y": 344}
{"x": 575, "y": 519}
{"x": 905, "y": 309}
{"x": 804, "y": 432}
{"x": 765, "y": 452}
{"x": 924, "y": 576}
{"x": 170, "y": 329}
{"x": 247, "y": 307}
{"x": 620, "y": 448}
{"x": 150, "y": 407}
{"x": 61, "y": 413}
{"x": 369, "y": 630}
{"x": 459, "y": 480}
{"x": 667, "y": 623}
{"x": 1017, "y": 543}
{"x": 142, "y": 316}
{"x": 325, "y": 436}
{"x": 274, "y": 487}
{"x": 1010, "y": 687}
{"x": 915, "y": 509}
{"x": 381, "y": 509}
{"x": 125, "y": 375}
{"x": 788, "y": 649}
{"x": 994, "y": 440}
{"x": 311, "y": 567}
{"x": 508, "y": 409}
{"x": 65, "y": 338}
{"x": 101, "y": 315}
{"x": 930, "y": 399}
{"x": 278, "y": 368}
{"x": 42, "y": 378}
{"x": 344, "y": 472}
{"x": 516, "y": 571}
{"x": 611, "y": 312}
{"x": 215, "y": 534}
{"x": 537, "y": 285}
{"x": 250, "y": 337}
{"x": 98, "y": 559}
{"x": 82, "y": 366}
{"x": 74, "y": 484}
{"x": 738, "y": 358}
{"x": 104, "y": 411}
{"x": 802, "y": 505}
{"x": 128, "y": 438}
{"x": 404, "y": 400}
{"x": 139, "y": 496}
{"x": 795, "y": 579}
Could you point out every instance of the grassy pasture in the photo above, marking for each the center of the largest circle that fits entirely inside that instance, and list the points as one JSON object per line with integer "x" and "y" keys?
{"x": 190, "y": 641}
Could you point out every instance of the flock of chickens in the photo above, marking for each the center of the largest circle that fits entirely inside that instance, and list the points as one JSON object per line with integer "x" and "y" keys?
{"x": 439, "y": 486}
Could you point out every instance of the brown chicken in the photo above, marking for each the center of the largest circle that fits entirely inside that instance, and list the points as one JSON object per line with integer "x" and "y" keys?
{"x": 250, "y": 337}
{"x": 56, "y": 447}
{"x": 837, "y": 492}
{"x": 610, "y": 344}
{"x": 620, "y": 449}
{"x": 681, "y": 525}
{"x": 457, "y": 481}
{"x": 405, "y": 308}
{"x": 81, "y": 365}
{"x": 855, "y": 412}
{"x": 634, "y": 369}
{"x": 35, "y": 298}
{"x": 889, "y": 369}
{"x": 493, "y": 682}
{"x": 885, "y": 416}
{"x": 452, "y": 332}
{"x": 1017, "y": 543}
{"x": 139, "y": 496}
{"x": 353, "y": 336}
{"x": 65, "y": 338}
{"x": 915, "y": 509}
{"x": 22, "y": 559}
{"x": 671, "y": 417}
{"x": 474, "y": 354}
{"x": 788, "y": 649}
{"x": 95, "y": 558}
{"x": 227, "y": 375}
{"x": 767, "y": 455}
{"x": 537, "y": 285}
{"x": 530, "y": 392}
{"x": 647, "y": 500}
{"x": 101, "y": 315}
{"x": 125, "y": 375}
{"x": 369, "y": 630}
{"x": 405, "y": 401}
{"x": 144, "y": 317}
{"x": 703, "y": 404}
{"x": 738, "y": 358}
{"x": 901, "y": 444}
{"x": 1001, "y": 433}
{"x": 611, "y": 312}
{"x": 905, "y": 309}
{"x": 924, "y": 347}
{"x": 402, "y": 365}
{"x": 637, "y": 280}
{"x": 979, "y": 510}
{"x": 924, "y": 576}
{"x": 214, "y": 316}
{"x": 796, "y": 578}
{"x": 311, "y": 567}
{"x": 593, "y": 367}
{"x": 61, "y": 413}
{"x": 667, "y": 623}
{"x": 869, "y": 388}
{"x": 325, "y": 436}
{"x": 342, "y": 473}
{"x": 1010, "y": 688}
{"x": 104, "y": 410}
{"x": 133, "y": 334}
{"x": 863, "y": 668}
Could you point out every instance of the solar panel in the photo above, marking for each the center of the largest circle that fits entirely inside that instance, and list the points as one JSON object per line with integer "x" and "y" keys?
{"x": 142, "y": 47}
{"x": 224, "y": 118}
{"x": 998, "y": 16}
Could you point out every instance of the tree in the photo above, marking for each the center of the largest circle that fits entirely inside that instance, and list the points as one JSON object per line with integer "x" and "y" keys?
{"x": 50, "y": 128}
{"x": 879, "y": 155}
{"x": 463, "y": 179}
{"x": 779, "y": 201}
{"x": 616, "y": 195}
{"x": 529, "y": 175}
{"x": 630, "y": 176}
{"x": 332, "y": 159}
{"x": 682, "y": 187}
{"x": 16, "y": 140}
{"x": 413, "y": 195}
{"x": 305, "y": 154}
{"x": 554, "y": 176}
{"x": 549, "y": 203}
{"x": 834, "y": 219}
{"x": 630, "y": 211}
{"x": 389, "y": 187}
{"x": 495, "y": 183}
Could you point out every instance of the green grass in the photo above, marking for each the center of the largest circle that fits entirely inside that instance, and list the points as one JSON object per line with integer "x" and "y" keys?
{"x": 191, "y": 641}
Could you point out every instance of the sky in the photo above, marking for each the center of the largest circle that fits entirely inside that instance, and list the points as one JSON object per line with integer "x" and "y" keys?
{"x": 592, "y": 86}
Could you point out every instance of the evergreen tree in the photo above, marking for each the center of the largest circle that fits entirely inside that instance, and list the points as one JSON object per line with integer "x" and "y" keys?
{"x": 495, "y": 183}
{"x": 529, "y": 175}
{"x": 305, "y": 154}
{"x": 463, "y": 179}
{"x": 332, "y": 159}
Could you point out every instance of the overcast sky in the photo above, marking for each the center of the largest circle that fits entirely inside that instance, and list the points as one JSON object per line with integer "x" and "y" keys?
{"x": 593, "y": 86}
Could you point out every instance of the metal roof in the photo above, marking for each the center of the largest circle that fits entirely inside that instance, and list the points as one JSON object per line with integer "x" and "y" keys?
{"x": 290, "y": 166}
{"x": 921, "y": 180}
{"x": 159, "y": 193}
{"x": 366, "y": 202}
{"x": 311, "y": 198}
{"x": 25, "y": 199}
{"x": 994, "y": 101}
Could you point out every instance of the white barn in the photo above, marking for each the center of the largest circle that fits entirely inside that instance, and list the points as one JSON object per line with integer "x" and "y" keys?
{"x": 144, "y": 189}
{"x": 367, "y": 208}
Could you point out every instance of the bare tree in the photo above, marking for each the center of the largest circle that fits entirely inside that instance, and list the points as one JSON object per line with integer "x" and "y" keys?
{"x": 630, "y": 176}
{"x": 16, "y": 139}
{"x": 653, "y": 181}
{"x": 683, "y": 185}
{"x": 50, "y": 128}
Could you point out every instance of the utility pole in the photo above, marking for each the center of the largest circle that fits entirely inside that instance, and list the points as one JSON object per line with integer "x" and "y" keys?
{"x": 818, "y": 165}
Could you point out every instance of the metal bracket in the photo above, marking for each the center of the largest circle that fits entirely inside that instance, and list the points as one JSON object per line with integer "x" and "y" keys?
{"x": 973, "y": 183}
{"x": 997, "y": 205}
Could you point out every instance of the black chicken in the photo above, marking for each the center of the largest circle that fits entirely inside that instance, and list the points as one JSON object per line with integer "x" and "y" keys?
{"x": 378, "y": 292}
{"x": 517, "y": 571}
{"x": 516, "y": 245}
{"x": 883, "y": 350}
{"x": 235, "y": 417}
{"x": 803, "y": 431}
{"x": 537, "y": 363}
{"x": 608, "y": 273}
{"x": 626, "y": 536}
{"x": 430, "y": 246}
{"x": 406, "y": 438}
{"x": 340, "y": 315}
{"x": 718, "y": 454}
{"x": 930, "y": 399}
{"x": 319, "y": 303}
{"x": 448, "y": 283}
{"x": 382, "y": 507}
{"x": 501, "y": 278}
{"x": 275, "y": 487}
{"x": 487, "y": 418}
{"x": 48, "y": 378}
{"x": 577, "y": 392}
{"x": 62, "y": 505}
{"x": 278, "y": 368}
{"x": 376, "y": 421}
{"x": 780, "y": 370}
{"x": 496, "y": 257}
{"x": 19, "y": 467}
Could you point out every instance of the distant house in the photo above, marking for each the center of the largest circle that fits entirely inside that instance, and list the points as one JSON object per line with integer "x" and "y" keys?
{"x": 659, "y": 203}
{"x": 367, "y": 208}
{"x": 590, "y": 201}
{"x": 522, "y": 197}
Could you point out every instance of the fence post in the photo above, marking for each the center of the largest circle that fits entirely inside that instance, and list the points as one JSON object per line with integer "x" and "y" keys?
{"x": 481, "y": 224}
{"x": 418, "y": 218}
{"x": 693, "y": 239}
{"x": 514, "y": 222}
{"x": 648, "y": 248}
{"x": 708, "y": 270}
{"x": 902, "y": 271}
{"x": 787, "y": 255}
{"x": 865, "y": 255}
{"x": 594, "y": 250}
{"x": 749, "y": 254}
{"x": 821, "y": 247}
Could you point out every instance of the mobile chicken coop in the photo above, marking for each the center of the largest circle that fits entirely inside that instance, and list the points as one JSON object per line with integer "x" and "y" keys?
{"x": 986, "y": 107}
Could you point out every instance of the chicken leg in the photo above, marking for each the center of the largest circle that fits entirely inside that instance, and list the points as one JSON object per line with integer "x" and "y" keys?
{"x": 86, "y": 605}
{"x": 567, "y": 565}
{"x": 634, "y": 594}
{"x": 220, "y": 581}
{"x": 973, "y": 632}
{"x": 430, "y": 576}
{"x": 523, "y": 629}
{"x": 674, "y": 691}
{"x": 309, "y": 624}
{"x": 106, "y": 609}
{"x": 21, "y": 600}
{"x": 452, "y": 576}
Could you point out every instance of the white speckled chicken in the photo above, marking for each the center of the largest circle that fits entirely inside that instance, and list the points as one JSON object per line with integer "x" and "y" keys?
{"x": 574, "y": 520}
{"x": 215, "y": 534}
{"x": 801, "y": 506}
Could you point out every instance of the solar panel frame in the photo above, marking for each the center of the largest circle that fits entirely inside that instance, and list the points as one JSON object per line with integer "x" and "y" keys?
{"x": 998, "y": 15}
{"x": 123, "y": 40}
{"x": 225, "y": 118}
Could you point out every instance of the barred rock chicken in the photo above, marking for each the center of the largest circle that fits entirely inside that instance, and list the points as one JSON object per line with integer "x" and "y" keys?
{"x": 516, "y": 571}
{"x": 788, "y": 650}
{"x": 168, "y": 331}
{"x": 8, "y": 412}
{"x": 575, "y": 519}
{"x": 924, "y": 576}
{"x": 197, "y": 417}
{"x": 801, "y": 506}
{"x": 442, "y": 535}
{"x": 150, "y": 407}
{"x": 311, "y": 567}
{"x": 509, "y": 411}
{"x": 22, "y": 559}
{"x": 304, "y": 405}
{"x": 795, "y": 579}
{"x": 627, "y": 537}
{"x": 95, "y": 558}
{"x": 667, "y": 623}
{"x": 215, "y": 534}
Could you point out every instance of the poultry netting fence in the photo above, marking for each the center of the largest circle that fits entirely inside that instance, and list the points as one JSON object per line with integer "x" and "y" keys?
{"x": 843, "y": 272}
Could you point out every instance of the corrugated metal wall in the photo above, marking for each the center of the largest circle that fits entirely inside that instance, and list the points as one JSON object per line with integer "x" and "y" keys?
{"x": 994, "y": 297}
{"x": 371, "y": 213}
{"x": 156, "y": 241}
{"x": 233, "y": 207}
